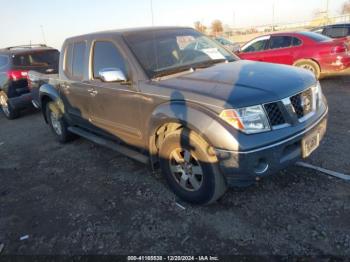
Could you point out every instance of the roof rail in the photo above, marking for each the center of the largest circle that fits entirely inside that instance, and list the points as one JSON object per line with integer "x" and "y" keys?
{"x": 26, "y": 46}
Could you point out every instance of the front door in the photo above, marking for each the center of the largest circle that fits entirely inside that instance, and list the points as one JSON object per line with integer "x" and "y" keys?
{"x": 114, "y": 107}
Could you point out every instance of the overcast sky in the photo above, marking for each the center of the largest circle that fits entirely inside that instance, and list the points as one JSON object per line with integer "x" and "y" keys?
{"x": 21, "y": 21}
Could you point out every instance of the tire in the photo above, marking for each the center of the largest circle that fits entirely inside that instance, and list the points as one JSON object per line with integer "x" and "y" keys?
{"x": 9, "y": 112}
{"x": 311, "y": 66}
{"x": 57, "y": 123}
{"x": 195, "y": 178}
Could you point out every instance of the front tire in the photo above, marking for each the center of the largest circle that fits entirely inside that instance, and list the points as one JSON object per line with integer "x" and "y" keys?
{"x": 9, "y": 112}
{"x": 57, "y": 123}
{"x": 190, "y": 167}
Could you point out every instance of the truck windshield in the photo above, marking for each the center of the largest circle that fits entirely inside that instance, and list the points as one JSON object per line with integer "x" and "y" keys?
{"x": 167, "y": 51}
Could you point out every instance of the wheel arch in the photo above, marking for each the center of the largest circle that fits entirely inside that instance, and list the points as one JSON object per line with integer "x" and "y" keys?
{"x": 170, "y": 117}
{"x": 48, "y": 93}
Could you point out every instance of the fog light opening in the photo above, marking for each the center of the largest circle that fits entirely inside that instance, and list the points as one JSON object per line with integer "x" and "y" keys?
{"x": 261, "y": 167}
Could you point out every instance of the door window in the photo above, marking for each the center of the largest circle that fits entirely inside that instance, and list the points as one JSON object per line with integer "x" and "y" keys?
{"x": 74, "y": 61}
{"x": 277, "y": 42}
{"x": 106, "y": 55}
{"x": 256, "y": 45}
{"x": 78, "y": 60}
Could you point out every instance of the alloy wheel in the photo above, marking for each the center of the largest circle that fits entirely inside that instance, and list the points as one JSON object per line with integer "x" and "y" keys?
{"x": 56, "y": 124}
{"x": 4, "y": 105}
{"x": 186, "y": 169}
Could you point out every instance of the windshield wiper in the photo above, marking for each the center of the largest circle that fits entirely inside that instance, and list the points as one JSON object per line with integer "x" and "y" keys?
{"x": 209, "y": 63}
{"x": 184, "y": 68}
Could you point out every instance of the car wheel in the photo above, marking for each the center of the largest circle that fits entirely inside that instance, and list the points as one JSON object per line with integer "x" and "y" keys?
{"x": 311, "y": 66}
{"x": 190, "y": 168}
{"x": 6, "y": 108}
{"x": 57, "y": 123}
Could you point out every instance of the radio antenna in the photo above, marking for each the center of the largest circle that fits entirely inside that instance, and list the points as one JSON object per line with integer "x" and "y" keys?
{"x": 43, "y": 34}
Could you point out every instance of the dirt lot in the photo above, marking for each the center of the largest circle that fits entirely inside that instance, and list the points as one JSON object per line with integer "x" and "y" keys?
{"x": 80, "y": 198}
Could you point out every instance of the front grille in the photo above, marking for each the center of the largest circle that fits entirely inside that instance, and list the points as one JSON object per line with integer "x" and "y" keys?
{"x": 302, "y": 103}
{"x": 274, "y": 113}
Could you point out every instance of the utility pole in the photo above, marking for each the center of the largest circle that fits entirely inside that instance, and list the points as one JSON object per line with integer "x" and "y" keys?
{"x": 151, "y": 2}
{"x": 327, "y": 11}
{"x": 273, "y": 16}
{"x": 233, "y": 19}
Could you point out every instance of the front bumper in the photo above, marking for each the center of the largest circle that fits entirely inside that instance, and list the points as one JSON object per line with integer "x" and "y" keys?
{"x": 242, "y": 167}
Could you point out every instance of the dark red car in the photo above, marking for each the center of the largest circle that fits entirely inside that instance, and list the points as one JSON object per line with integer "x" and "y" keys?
{"x": 315, "y": 52}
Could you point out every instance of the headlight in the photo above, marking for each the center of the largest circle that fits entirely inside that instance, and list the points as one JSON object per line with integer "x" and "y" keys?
{"x": 318, "y": 93}
{"x": 250, "y": 119}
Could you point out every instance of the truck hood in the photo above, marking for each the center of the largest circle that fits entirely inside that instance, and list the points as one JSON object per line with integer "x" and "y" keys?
{"x": 241, "y": 83}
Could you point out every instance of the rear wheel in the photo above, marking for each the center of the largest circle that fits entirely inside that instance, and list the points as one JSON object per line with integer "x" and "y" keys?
{"x": 57, "y": 123}
{"x": 190, "y": 168}
{"x": 6, "y": 107}
{"x": 310, "y": 65}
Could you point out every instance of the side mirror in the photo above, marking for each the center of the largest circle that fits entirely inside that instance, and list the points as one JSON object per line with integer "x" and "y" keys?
{"x": 112, "y": 75}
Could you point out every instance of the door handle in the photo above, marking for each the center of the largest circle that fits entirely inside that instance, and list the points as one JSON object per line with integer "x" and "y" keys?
{"x": 92, "y": 92}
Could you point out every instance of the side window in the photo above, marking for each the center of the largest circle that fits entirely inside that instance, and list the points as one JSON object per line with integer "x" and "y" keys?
{"x": 337, "y": 32}
{"x": 106, "y": 55}
{"x": 74, "y": 60}
{"x": 3, "y": 61}
{"x": 296, "y": 41}
{"x": 68, "y": 58}
{"x": 78, "y": 60}
{"x": 280, "y": 42}
{"x": 256, "y": 46}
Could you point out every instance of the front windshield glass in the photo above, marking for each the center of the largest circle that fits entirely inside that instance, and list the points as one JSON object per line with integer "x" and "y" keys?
{"x": 166, "y": 51}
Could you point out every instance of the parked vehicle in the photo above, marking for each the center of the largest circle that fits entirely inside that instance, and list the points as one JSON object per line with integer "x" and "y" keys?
{"x": 15, "y": 62}
{"x": 333, "y": 31}
{"x": 233, "y": 47}
{"x": 206, "y": 118}
{"x": 317, "y": 53}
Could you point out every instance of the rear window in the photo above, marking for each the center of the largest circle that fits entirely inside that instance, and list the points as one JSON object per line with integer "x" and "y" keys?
{"x": 4, "y": 60}
{"x": 37, "y": 59}
{"x": 316, "y": 37}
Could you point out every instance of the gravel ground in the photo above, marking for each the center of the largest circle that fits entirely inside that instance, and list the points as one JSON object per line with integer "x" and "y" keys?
{"x": 80, "y": 198}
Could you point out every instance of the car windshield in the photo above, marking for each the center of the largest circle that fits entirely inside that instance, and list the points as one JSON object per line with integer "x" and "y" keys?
{"x": 316, "y": 37}
{"x": 163, "y": 52}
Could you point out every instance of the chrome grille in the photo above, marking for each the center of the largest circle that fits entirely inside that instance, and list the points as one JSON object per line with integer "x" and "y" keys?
{"x": 302, "y": 103}
{"x": 299, "y": 106}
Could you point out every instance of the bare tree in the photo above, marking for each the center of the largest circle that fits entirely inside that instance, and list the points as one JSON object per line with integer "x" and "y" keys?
{"x": 216, "y": 27}
{"x": 346, "y": 8}
{"x": 200, "y": 27}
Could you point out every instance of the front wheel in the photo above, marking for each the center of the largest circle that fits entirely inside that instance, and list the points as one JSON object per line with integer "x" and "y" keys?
{"x": 190, "y": 167}
{"x": 9, "y": 112}
{"x": 57, "y": 123}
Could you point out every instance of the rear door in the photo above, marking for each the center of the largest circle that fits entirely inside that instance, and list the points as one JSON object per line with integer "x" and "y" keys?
{"x": 75, "y": 91}
{"x": 255, "y": 49}
{"x": 115, "y": 106}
